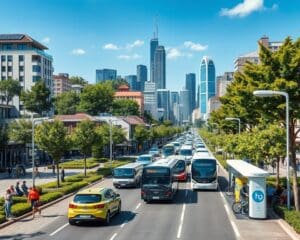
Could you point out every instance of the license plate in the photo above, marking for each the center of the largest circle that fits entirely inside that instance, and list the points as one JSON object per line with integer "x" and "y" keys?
{"x": 85, "y": 216}
{"x": 155, "y": 197}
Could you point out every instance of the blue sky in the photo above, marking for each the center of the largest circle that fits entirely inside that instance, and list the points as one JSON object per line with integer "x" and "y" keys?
{"x": 85, "y": 35}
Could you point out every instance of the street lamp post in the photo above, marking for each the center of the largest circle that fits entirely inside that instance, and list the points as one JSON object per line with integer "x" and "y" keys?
{"x": 110, "y": 140}
{"x": 270, "y": 93}
{"x": 33, "y": 121}
{"x": 235, "y": 119}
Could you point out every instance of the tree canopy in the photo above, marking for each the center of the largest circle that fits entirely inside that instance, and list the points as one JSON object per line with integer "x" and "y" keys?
{"x": 125, "y": 107}
{"x": 67, "y": 102}
{"x": 20, "y": 131}
{"x": 9, "y": 88}
{"x": 77, "y": 80}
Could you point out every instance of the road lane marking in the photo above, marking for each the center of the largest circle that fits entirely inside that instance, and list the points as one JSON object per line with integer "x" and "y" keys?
{"x": 59, "y": 229}
{"x": 124, "y": 224}
{"x": 235, "y": 229}
{"x": 226, "y": 208}
{"x": 181, "y": 222}
{"x": 138, "y": 206}
{"x": 113, "y": 236}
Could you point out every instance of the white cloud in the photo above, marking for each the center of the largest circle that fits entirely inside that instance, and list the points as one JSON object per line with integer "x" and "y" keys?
{"x": 195, "y": 46}
{"x": 136, "y": 43}
{"x": 46, "y": 40}
{"x": 111, "y": 46}
{"x": 78, "y": 51}
{"x": 173, "y": 53}
{"x": 129, "y": 57}
{"x": 243, "y": 9}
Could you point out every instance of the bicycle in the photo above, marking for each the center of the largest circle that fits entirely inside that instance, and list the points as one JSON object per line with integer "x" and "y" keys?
{"x": 241, "y": 207}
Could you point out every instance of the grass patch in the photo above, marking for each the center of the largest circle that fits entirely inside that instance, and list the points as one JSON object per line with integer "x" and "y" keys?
{"x": 292, "y": 217}
{"x": 20, "y": 209}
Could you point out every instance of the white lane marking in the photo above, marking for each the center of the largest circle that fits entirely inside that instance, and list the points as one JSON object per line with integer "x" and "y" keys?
{"x": 59, "y": 229}
{"x": 226, "y": 208}
{"x": 235, "y": 229}
{"x": 181, "y": 222}
{"x": 138, "y": 206}
{"x": 113, "y": 236}
{"x": 124, "y": 224}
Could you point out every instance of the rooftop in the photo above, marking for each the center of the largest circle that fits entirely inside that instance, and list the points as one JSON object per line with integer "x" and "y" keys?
{"x": 246, "y": 169}
{"x": 74, "y": 118}
{"x": 21, "y": 38}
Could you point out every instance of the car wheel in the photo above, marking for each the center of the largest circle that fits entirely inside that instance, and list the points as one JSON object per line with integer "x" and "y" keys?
{"x": 107, "y": 218}
{"x": 119, "y": 208}
{"x": 72, "y": 222}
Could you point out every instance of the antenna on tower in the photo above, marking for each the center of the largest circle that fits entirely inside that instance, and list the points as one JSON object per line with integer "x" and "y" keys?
{"x": 156, "y": 26}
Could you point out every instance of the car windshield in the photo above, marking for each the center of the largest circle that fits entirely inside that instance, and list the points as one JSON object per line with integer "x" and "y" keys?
{"x": 179, "y": 167}
{"x": 186, "y": 152}
{"x": 153, "y": 149}
{"x": 177, "y": 144}
{"x": 87, "y": 198}
{"x": 123, "y": 172}
{"x": 168, "y": 151}
{"x": 144, "y": 158}
{"x": 204, "y": 168}
{"x": 156, "y": 176}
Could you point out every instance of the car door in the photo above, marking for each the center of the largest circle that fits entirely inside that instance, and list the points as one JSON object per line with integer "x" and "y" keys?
{"x": 109, "y": 200}
{"x": 114, "y": 200}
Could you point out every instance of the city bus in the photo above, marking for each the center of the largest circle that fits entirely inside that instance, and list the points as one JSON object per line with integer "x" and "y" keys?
{"x": 128, "y": 175}
{"x": 204, "y": 173}
{"x": 158, "y": 182}
{"x": 180, "y": 171}
{"x": 168, "y": 150}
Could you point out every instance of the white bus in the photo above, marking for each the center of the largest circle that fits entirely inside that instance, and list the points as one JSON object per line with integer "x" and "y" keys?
{"x": 204, "y": 172}
{"x": 128, "y": 175}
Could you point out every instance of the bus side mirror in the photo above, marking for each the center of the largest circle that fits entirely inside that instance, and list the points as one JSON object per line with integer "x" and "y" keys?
{"x": 174, "y": 179}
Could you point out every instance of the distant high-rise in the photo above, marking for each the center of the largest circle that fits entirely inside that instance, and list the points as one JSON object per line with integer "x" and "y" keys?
{"x": 132, "y": 81}
{"x": 150, "y": 98}
{"x": 175, "y": 111}
{"x": 207, "y": 84}
{"x": 163, "y": 102}
{"x": 190, "y": 84}
{"x": 160, "y": 67}
{"x": 105, "y": 74}
{"x": 141, "y": 73}
{"x": 222, "y": 83}
{"x": 153, "y": 46}
{"x": 184, "y": 106}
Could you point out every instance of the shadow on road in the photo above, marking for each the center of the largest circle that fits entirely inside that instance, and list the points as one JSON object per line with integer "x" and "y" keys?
{"x": 20, "y": 236}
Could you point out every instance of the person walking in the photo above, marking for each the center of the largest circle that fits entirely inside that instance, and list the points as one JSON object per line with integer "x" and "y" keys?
{"x": 7, "y": 204}
{"x": 34, "y": 198}
{"x": 9, "y": 170}
{"x": 62, "y": 174}
{"x": 12, "y": 190}
{"x": 18, "y": 190}
{"x": 24, "y": 188}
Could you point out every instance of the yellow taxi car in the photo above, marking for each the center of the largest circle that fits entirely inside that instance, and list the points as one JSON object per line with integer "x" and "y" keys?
{"x": 94, "y": 204}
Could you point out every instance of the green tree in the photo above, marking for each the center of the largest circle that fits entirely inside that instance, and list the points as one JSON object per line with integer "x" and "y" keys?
{"x": 37, "y": 100}
{"x": 3, "y": 135}
{"x": 125, "y": 107}
{"x": 77, "y": 80}
{"x": 84, "y": 137}
{"x": 117, "y": 83}
{"x": 96, "y": 99}
{"x": 9, "y": 88}
{"x": 141, "y": 134}
{"x": 52, "y": 138}
{"x": 67, "y": 103}
{"x": 20, "y": 131}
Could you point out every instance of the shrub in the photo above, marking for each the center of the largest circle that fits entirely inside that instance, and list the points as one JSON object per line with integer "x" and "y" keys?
{"x": 19, "y": 199}
{"x": 1, "y": 201}
{"x": 74, "y": 178}
{"x": 53, "y": 185}
{"x": 19, "y": 209}
{"x": 72, "y": 188}
{"x": 2, "y": 218}
{"x": 48, "y": 197}
{"x": 93, "y": 178}
{"x": 291, "y": 216}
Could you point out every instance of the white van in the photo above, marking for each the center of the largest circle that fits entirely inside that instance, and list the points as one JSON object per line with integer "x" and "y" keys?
{"x": 128, "y": 175}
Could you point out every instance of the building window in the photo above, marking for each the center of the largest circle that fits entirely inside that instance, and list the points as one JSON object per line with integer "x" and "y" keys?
{"x": 36, "y": 68}
{"x": 21, "y": 68}
{"x": 21, "y": 46}
{"x": 3, "y": 58}
{"x": 9, "y": 68}
{"x": 3, "y": 69}
{"x": 3, "y": 78}
{"x": 21, "y": 58}
{"x": 36, "y": 78}
{"x": 21, "y": 78}
{"x": 9, "y": 58}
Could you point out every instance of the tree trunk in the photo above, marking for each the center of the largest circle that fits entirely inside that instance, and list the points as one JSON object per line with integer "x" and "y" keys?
{"x": 84, "y": 165}
{"x": 277, "y": 171}
{"x": 57, "y": 174}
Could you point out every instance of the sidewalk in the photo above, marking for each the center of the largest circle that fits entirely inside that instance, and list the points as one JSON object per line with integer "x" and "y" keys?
{"x": 46, "y": 176}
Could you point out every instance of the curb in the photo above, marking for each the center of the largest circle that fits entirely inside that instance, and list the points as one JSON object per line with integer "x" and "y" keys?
{"x": 9, "y": 222}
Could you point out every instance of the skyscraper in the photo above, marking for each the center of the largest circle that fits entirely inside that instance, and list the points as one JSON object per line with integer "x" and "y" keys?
{"x": 190, "y": 85}
{"x": 153, "y": 46}
{"x": 163, "y": 102}
{"x": 132, "y": 81}
{"x": 150, "y": 98}
{"x": 184, "y": 106}
{"x": 160, "y": 67}
{"x": 141, "y": 73}
{"x": 175, "y": 110}
{"x": 207, "y": 84}
{"x": 105, "y": 74}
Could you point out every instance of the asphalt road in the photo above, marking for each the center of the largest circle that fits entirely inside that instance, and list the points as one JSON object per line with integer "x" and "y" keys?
{"x": 192, "y": 215}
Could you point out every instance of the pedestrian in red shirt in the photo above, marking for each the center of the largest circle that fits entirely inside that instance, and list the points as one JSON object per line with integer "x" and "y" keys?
{"x": 34, "y": 198}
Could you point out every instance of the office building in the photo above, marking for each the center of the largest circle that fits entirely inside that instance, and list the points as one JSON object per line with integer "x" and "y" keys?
{"x": 105, "y": 74}
{"x": 160, "y": 67}
{"x": 207, "y": 84}
{"x": 150, "y": 99}
{"x": 132, "y": 81}
{"x": 184, "y": 106}
{"x": 141, "y": 73}
{"x": 163, "y": 102}
{"x": 24, "y": 59}
{"x": 175, "y": 107}
{"x": 153, "y": 46}
{"x": 61, "y": 84}
{"x": 222, "y": 83}
{"x": 190, "y": 84}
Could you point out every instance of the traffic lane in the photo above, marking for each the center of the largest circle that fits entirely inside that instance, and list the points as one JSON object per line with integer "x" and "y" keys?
{"x": 130, "y": 199}
{"x": 206, "y": 217}
{"x": 155, "y": 220}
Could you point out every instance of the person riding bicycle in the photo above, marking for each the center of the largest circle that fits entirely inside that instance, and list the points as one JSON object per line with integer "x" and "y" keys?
{"x": 244, "y": 192}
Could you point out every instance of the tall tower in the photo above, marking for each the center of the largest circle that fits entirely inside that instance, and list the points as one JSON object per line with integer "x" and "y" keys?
{"x": 207, "y": 84}
{"x": 153, "y": 46}
{"x": 141, "y": 73}
{"x": 190, "y": 84}
{"x": 160, "y": 67}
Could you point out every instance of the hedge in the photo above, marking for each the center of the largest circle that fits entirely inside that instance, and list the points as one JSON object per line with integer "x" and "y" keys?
{"x": 2, "y": 218}
{"x": 19, "y": 209}
{"x": 79, "y": 163}
{"x": 93, "y": 178}
{"x": 291, "y": 216}
{"x": 19, "y": 199}
{"x": 72, "y": 188}
{"x": 51, "y": 196}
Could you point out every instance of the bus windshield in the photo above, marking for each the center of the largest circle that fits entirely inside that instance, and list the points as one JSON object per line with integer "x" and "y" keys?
{"x": 156, "y": 176}
{"x": 186, "y": 152}
{"x": 204, "y": 168}
{"x": 144, "y": 159}
{"x": 179, "y": 167}
{"x": 123, "y": 173}
{"x": 168, "y": 151}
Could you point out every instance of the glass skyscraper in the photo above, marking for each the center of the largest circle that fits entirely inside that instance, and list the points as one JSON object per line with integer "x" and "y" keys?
{"x": 160, "y": 67}
{"x": 163, "y": 102}
{"x": 105, "y": 74}
{"x": 207, "y": 84}
{"x": 153, "y": 46}
{"x": 141, "y": 73}
{"x": 190, "y": 85}
{"x": 132, "y": 81}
